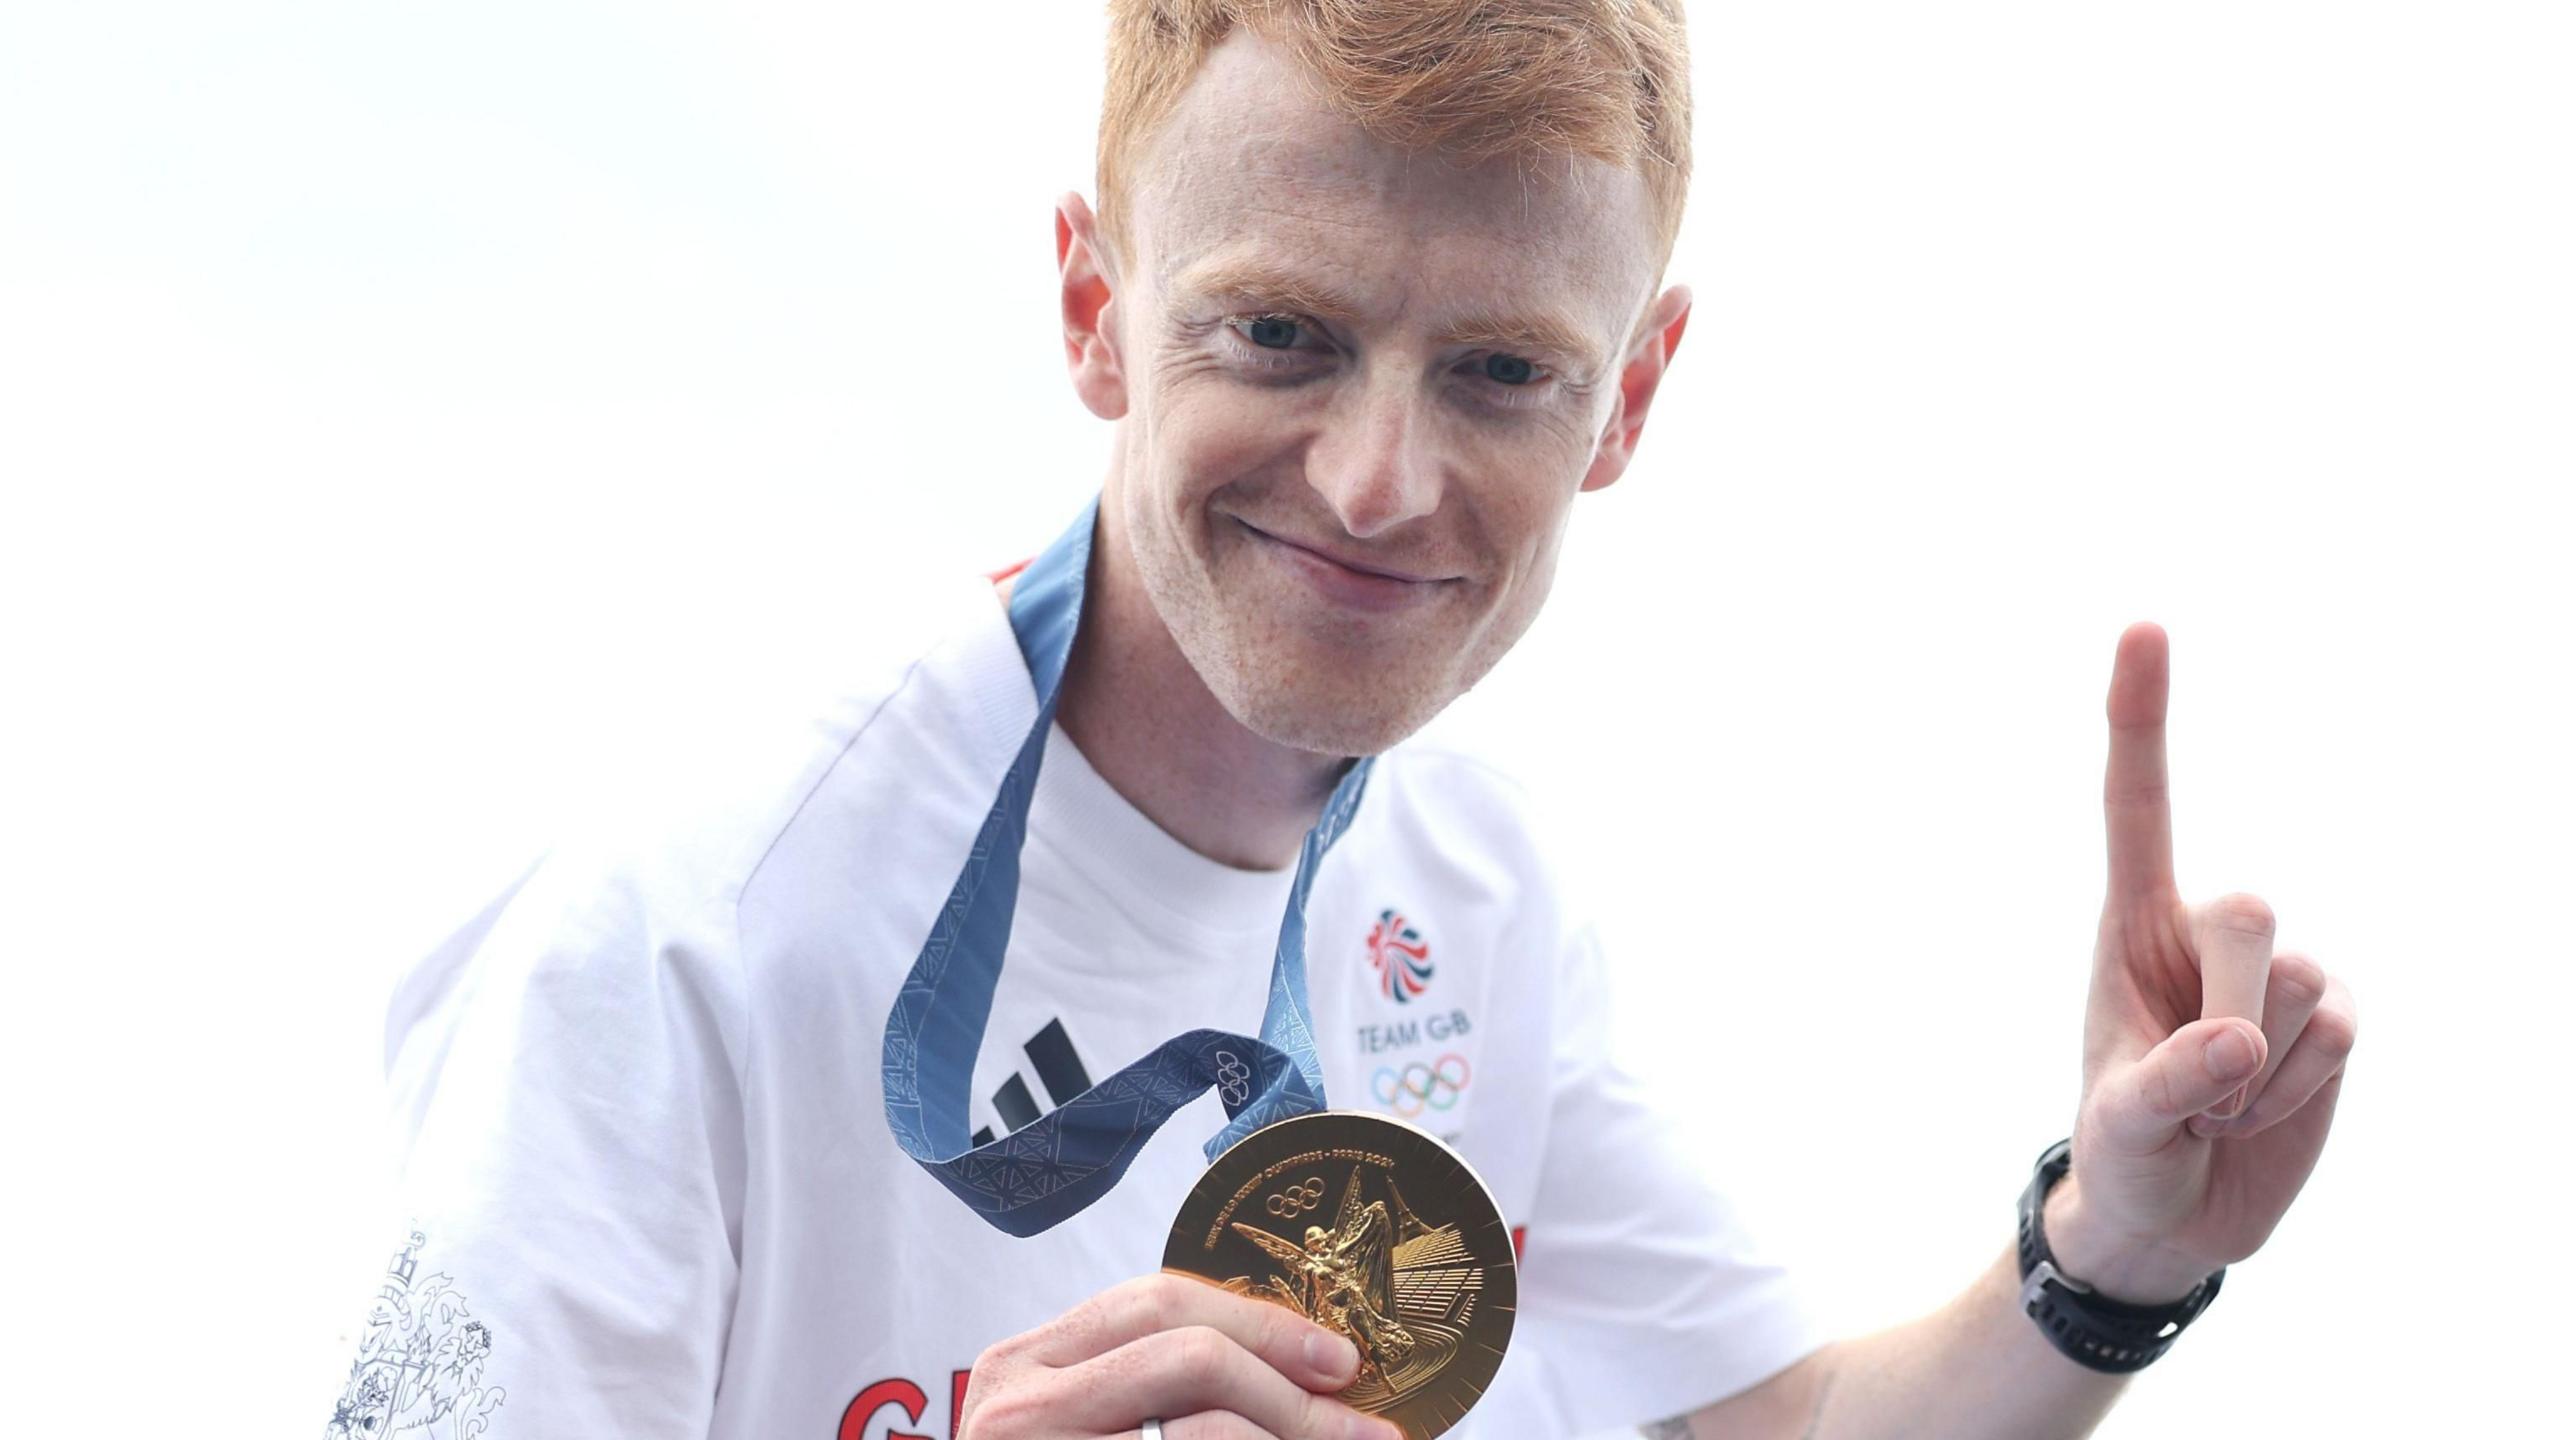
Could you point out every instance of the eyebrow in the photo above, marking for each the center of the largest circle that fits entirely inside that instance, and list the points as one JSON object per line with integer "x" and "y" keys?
{"x": 1244, "y": 279}
{"x": 1280, "y": 289}
{"x": 1539, "y": 334}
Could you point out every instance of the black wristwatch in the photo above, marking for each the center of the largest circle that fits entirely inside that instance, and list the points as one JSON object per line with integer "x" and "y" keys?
{"x": 2103, "y": 1334}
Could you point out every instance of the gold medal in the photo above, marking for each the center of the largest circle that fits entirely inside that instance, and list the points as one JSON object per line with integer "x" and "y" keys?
{"x": 1372, "y": 1228}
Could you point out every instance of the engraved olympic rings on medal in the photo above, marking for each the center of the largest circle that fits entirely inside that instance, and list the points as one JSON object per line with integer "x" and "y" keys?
{"x": 1233, "y": 1078}
{"x": 1295, "y": 1201}
{"x": 1419, "y": 1087}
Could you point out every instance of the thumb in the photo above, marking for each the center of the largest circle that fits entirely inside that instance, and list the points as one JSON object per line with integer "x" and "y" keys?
{"x": 2184, "y": 1075}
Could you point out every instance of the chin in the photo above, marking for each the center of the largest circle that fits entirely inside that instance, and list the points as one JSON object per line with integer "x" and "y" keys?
{"x": 1304, "y": 717}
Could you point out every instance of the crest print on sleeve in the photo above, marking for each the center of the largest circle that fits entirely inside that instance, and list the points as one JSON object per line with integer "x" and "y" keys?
{"x": 418, "y": 1368}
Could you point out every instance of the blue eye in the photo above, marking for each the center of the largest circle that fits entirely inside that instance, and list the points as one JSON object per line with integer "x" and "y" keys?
{"x": 1510, "y": 369}
{"x": 1272, "y": 331}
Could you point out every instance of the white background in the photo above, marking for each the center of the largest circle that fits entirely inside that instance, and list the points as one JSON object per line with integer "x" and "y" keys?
{"x": 410, "y": 414}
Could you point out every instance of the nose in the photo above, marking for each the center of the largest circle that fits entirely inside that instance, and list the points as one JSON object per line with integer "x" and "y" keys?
{"x": 1374, "y": 463}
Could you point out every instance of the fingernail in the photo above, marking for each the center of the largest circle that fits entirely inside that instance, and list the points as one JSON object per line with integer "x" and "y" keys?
{"x": 1332, "y": 1355}
{"x": 1373, "y": 1428}
{"x": 2230, "y": 1056}
{"x": 2228, "y": 1107}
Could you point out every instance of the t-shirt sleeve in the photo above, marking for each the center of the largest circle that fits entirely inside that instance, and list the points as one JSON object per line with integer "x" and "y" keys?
{"x": 1647, "y": 1294}
{"x": 564, "y": 1255}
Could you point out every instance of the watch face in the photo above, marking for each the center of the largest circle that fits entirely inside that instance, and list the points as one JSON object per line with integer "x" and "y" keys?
{"x": 1373, "y": 1229}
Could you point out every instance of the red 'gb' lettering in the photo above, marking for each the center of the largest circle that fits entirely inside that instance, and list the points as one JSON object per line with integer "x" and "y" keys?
{"x": 905, "y": 1394}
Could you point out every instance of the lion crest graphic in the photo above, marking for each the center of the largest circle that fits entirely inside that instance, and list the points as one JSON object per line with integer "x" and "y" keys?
{"x": 417, "y": 1370}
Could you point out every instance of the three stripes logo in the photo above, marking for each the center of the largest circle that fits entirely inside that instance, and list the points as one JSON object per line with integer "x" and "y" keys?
{"x": 1061, "y": 1072}
{"x": 1398, "y": 954}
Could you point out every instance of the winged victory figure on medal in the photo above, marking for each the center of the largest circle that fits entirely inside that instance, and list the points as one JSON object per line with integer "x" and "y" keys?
{"x": 1344, "y": 1278}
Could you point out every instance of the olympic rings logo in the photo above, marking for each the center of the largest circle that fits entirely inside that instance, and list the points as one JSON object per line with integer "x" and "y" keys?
{"x": 1232, "y": 1076}
{"x": 1419, "y": 1087}
{"x": 1295, "y": 1201}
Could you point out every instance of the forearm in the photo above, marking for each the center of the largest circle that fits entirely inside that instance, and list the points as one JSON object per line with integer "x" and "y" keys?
{"x": 1978, "y": 1367}
{"x": 1975, "y": 1367}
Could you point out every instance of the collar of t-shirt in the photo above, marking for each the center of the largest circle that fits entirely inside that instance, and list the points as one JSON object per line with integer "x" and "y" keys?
{"x": 1084, "y": 832}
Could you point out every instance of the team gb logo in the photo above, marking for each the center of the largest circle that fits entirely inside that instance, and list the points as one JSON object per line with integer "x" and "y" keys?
{"x": 1402, "y": 960}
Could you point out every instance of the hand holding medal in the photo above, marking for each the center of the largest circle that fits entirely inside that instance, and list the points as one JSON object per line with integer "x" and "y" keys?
{"x": 1310, "y": 1224}
{"x": 1212, "y": 1364}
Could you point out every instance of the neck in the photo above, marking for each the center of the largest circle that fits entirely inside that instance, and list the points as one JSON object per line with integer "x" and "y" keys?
{"x": 1149, "y": 725}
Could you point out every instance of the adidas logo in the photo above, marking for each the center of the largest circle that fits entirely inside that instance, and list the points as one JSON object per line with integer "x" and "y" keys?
{"x": 1062, "y": 1074}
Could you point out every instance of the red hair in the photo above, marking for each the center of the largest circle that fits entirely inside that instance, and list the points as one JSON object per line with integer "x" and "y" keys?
{"x": 1473, "y": 79}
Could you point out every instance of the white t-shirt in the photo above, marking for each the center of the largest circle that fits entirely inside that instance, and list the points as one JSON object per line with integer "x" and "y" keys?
{"x": 648, "y": 1185}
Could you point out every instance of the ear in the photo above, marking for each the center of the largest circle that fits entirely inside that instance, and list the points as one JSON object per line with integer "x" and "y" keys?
{"x": 1638, "y": 379}
{"x": 1085, "y": 292}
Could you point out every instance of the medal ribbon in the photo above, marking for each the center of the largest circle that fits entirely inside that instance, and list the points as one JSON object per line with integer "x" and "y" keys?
{"x": 1027, "y": 1181}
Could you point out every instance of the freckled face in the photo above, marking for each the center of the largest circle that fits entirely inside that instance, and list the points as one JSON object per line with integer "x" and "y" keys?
{"x": 1364, "y": 386}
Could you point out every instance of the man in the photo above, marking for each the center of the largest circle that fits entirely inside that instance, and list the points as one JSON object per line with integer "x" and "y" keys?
{"x": 1371, "y": 295}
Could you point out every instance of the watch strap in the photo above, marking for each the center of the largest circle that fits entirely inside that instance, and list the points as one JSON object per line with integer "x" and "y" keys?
{"x": 2101, "y": 1333}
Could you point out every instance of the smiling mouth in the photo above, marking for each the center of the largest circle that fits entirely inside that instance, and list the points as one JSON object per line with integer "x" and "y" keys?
{"x": 1374, "y": 572}
{"x": 1348, "y": 586}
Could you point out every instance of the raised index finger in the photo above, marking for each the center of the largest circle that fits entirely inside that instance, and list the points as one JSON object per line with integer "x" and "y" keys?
{"x": 2137, "y": 791}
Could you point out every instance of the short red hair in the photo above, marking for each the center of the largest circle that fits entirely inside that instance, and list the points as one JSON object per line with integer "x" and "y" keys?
{"x": 1474, "y": 79}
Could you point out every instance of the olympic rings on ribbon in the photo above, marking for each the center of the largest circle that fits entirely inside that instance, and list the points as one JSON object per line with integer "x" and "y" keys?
{"x": 1295, "y": 1201}
{"x": 1419, "y": 1087}
{"x": 1233, "y": 1078}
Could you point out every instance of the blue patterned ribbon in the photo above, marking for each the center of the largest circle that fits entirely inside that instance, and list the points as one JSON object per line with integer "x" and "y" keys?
{"x": 1027, "y": 1181}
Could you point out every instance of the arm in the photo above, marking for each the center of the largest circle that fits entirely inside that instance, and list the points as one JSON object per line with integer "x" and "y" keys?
{"x": 2209, "y": 1079}
{"x": 1975, "y": 1367}
{"x": 567, "y": 1252}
